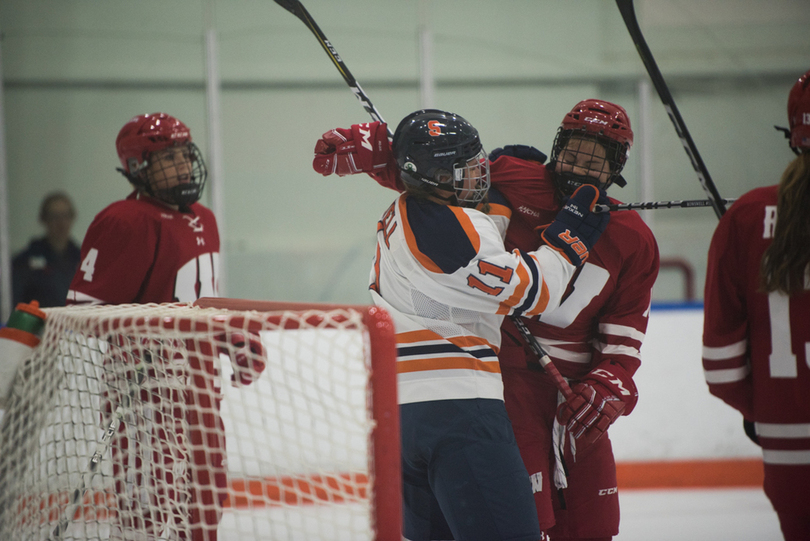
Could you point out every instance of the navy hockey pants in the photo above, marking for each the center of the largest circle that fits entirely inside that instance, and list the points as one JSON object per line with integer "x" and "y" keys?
{"x": 462, "y": 474}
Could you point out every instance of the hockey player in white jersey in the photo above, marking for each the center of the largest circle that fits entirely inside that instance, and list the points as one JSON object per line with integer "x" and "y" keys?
{"x": 442, "y": 272}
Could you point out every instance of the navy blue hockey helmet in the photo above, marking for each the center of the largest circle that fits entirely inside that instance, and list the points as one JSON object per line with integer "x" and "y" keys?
{"x": 441, "y": 150}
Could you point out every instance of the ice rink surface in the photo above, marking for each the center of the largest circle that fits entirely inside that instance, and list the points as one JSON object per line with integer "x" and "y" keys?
{"x": 739, "y": 514}
{"x": 697, "y": 515}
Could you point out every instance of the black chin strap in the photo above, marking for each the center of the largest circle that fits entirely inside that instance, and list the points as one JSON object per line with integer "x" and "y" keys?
{"x": 182, "y": 195}
{"x": 569, "y": 182}
{"x": 136, "y": 181}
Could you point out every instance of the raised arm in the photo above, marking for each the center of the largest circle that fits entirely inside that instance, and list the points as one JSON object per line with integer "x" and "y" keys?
{"x": 362, "y": 148}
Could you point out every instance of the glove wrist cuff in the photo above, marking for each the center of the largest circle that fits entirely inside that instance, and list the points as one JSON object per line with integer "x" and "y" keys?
{"x": 616, "y": 381}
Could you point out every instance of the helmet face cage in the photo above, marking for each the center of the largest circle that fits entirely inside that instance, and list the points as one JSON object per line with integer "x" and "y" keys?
{"x": 471, "y": 179}
{"x": 593, "y": 120}
{"x": 569, "y": 147}
{"x": 175, "y": 175}
{"x": 160, "y": 159}
{"x": 440, "y": 150}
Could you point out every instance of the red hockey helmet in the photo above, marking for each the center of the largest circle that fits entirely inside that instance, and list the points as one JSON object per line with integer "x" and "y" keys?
{"x": 139, "y": 141}
{"x": 604, "y": 122}
{"x": 145, "y": 134}
{"x": 799, "y": 113}
{"x": 601, "y": 118}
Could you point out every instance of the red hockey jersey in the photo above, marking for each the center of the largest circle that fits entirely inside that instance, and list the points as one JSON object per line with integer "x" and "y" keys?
{"x": 141, "y": 251}
{"x": 755, "y": 344}
{"x": 603, "y": 315}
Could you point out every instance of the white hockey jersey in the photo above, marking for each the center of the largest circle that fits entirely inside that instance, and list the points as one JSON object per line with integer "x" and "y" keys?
{"x": 443, "y": 274}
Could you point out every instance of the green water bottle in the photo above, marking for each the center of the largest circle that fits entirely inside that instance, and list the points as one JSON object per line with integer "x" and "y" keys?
{"x": 18, "y": 339}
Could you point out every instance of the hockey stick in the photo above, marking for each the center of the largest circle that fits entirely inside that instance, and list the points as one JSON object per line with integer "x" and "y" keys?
{"x": 545, "y": 360}
{"x": 296, "y": 8}
{"x": 629, "y": 16}
{"x": 649, "y": 205}
{"x": 77, "y": 496}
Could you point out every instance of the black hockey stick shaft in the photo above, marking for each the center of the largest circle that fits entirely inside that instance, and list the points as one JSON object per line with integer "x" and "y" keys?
{"x": 542, "y": 356}
{"x": 296, "y": 8}
{"x": 628, "y": 14}
{"x": 650, "y": 205}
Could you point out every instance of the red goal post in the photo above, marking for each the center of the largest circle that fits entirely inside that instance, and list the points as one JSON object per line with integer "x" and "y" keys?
{"x": 312, "y": 440}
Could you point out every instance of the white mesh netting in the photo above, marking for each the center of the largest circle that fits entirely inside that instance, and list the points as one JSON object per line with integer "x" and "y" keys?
{"x": 179, "y": 422}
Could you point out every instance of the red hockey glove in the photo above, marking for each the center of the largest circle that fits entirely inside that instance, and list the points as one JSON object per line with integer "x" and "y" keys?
{"x": 363, "y": 148}
{"x": 247, "y": 356}
{"x": 597, "y": 401}
{"x": 576, "y": 228}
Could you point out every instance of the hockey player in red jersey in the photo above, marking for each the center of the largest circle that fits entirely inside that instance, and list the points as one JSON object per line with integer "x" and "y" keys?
{"x": 160, "y": 246}
{"x": 442, "y": 272}
{"x": 757, "y": 321}
{"x": 593, "y": 337}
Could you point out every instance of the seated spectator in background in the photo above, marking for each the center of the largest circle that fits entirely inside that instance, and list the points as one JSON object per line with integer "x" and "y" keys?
{"x": 43, "y": 271}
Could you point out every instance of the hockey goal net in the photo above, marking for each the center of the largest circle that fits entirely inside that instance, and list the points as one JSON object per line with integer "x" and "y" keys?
{"x": 226, "y": 419}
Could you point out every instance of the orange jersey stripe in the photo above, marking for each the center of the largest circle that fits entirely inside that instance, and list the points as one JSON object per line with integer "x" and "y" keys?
{"x": 424, "y": 260}
{"x": 520, "y": 290}
{"x": 543, "y": 298}
{"x": 468, "y": 227}
{"x": 448, "y": 363}
{"x": 413, "y": 337}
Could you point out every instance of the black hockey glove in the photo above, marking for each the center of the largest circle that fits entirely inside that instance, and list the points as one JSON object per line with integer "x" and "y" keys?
{"x": 750, "y": 431}
{"x": 524, "y": 152}
{"x": 577, "y": 228}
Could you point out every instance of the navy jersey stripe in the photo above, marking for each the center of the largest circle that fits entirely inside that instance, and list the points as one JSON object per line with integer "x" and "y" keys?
{"x": 439, "y": 235}
{"x": 480, "y": 353}
{"x": 531, "y": 295}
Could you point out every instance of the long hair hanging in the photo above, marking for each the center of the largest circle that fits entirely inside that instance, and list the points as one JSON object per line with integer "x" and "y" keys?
{"x": 785, "y": 263}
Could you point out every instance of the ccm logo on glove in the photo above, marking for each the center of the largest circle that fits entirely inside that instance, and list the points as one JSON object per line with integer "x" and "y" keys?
{"x": 602, "y": 373}
{"x": 363, "y": 148}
